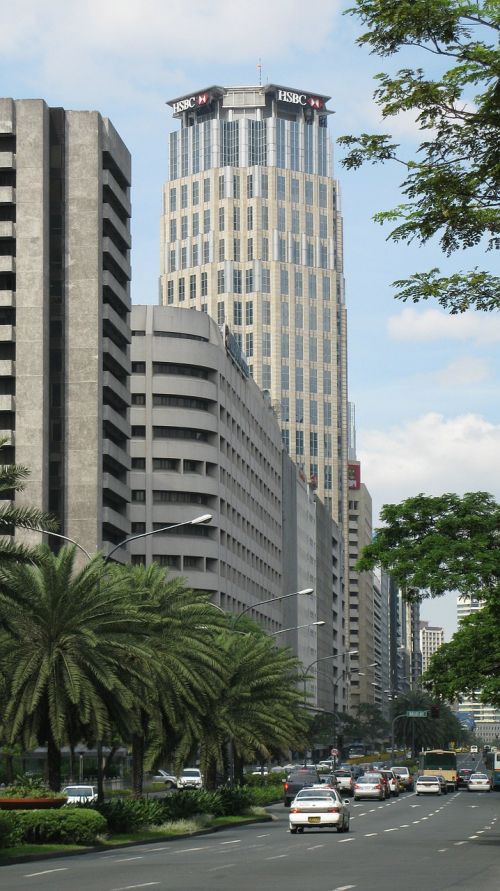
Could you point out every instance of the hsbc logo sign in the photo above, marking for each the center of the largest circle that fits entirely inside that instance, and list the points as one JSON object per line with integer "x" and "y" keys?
{"x": 193, "y": 102}
{"x": 300, "y": 99}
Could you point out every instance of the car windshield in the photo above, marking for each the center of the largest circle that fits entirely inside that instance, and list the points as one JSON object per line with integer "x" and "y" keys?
{"x": 478, "y": 776}
{"x": 369, "y": 778}
{"x": 401, "y": 771}
{"x": 77, "y": 791}
{"x": 190, "y": 773}
{"x": 342, "y": 773}
{"x": 427, "y": 780}
{"x": 314, "y": 793}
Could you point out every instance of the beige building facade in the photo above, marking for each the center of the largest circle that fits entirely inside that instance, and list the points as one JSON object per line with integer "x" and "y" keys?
{"x": 64, "y": 306}
{"x": 431, "y": 638}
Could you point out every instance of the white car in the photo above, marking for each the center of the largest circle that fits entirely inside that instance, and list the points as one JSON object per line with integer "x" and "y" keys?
{"x": 428, "y": 785}
{"x": 80, "y": 794}
{"x": 319, "y": 809}
{"x": 190, "y": 778}
{"x": 163, "y": 776}
{"x": 479, "y": 782}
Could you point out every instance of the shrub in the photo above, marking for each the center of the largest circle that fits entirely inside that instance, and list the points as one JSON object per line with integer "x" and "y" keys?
{"x": 234, "y": 800}
{"x": 129, "y": 815}
{"x": 265, "y": 795}
{"x": 29, "y": 787}
{"x": 272, "y": 779}
{"x": 189, "y": 803}
{"x": 10, "y": 830}
{"x": 76, "y": 826}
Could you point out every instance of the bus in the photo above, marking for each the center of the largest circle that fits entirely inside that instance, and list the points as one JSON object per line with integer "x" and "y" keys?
{"x": 440, "y": 761}
{"x": 492, "y": 764}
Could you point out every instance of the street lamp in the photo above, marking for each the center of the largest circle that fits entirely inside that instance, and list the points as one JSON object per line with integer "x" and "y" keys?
{"x": 315, "y": 662}
{"x": 247, "y": 609}
{"x": 296, "y": 627}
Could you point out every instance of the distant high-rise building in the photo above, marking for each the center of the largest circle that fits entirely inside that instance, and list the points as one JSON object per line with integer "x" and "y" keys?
{"x": 64, "y": 308}
{"x": 431, "y": 638}
{"x": 481, "y": 711}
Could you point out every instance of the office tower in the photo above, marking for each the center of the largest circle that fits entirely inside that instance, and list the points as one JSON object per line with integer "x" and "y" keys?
{"x": 252, "y": 233}
{"x": 64, "y": 306}
{"x": 431, "y": 638}
{"x": 481, "y": 711}
{"x": 205, "y": 440}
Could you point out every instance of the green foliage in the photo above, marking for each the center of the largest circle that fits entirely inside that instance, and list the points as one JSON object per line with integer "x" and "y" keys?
{"x": 188, "y": 803}
{"x": 235, "y": 800}
{"x": 11, "y": 833}
{"x": 131, "y": 814}
{"x": 431, "y": 545}
{"x": 452, "y": 184}
{"x": 68, "y": 825}
{"x": 264, "y": 795}
{"x": 29, "y": 787}
{"x": 425, "y": 733}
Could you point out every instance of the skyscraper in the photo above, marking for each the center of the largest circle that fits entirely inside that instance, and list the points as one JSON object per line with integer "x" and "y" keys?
{"x": 252, "y": 234}
{"x": 64, "y": 305}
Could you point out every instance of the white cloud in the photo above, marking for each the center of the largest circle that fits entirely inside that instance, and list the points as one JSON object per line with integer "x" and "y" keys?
{"x": 465, "y": 371}
{"x": 432, "y": 324}
{"x": 430, "y": 454}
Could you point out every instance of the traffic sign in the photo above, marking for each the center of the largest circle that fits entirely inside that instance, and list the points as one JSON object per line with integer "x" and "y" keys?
{"x": 417, "y": 714}
{"x": 334, "y": 752}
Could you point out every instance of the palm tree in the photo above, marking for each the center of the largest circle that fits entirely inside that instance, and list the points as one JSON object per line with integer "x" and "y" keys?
{"x": 12, "y": 477}
{"x": 70, "y": 645}
{"x": 260, "y": 711}
{"x": 188, "y": 670}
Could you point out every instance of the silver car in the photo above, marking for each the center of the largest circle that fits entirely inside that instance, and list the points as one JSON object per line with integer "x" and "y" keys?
{"x": 369, "y": 785}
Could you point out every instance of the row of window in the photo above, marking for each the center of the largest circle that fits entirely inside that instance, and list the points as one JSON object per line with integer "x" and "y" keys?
{"x": 230, "y": 187}
{"x": 285, "y": 250}
{"x": 168, "y": 401}
{"x": 168, "y": 464}
{"x": 196, "y": 224}
{"x": 313, "y": 380}
{"x": 248, "y": 281}
{"x": 313, "y": 412}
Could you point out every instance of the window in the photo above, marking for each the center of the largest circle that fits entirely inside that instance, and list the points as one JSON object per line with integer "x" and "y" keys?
{"x": 313, "y": 380}
{"x": 299, "y": 442}
{"x": 222, "y": 186}
{"x": 173, "y": 261}
{"x": 323, "y": 193}
{"x": 249, "y": 217}
{"x": 323, "y": 226}
{"x": 265, "y": 217}
{"x": 221, "y": 219}
{"x": 237, "y": 312}
{"x": 192, "y": 287}
{"x": 181, "y": 289}
{"x": 183, "y": 257}
{"x": 184, "y": 196}
{"x": 299, "y": 379}
{"x": 285, "y": 377}
{"x": 295, "y": 191}
{"x": 138, "y": 430}
{"x": 309, "y": 253}
{"x": 249, "y": 282}
{"x": 285, "y": 409}
{"x": 312, "y": 317}
{"x": 236, "y": 185}
{"x": 312, "y": 285}
{"x": 266, "y": 281}
{"x": 295, "y": 258}
{"x": 313, "y": 349}
{"x": 327, "y": 318}
{"x": 170, "y": 291}
{"x": 173, "y": 230}
{"x": 326, "y": 287}
{"x": 236, "y": 218}
{"x": 249, "y": 312}
{"x": 328, "y": 476}
{"x": 138, "y": 463}
{"x": 229, "y": 144}
{"x": 266, "y": 344}
{"x": 204, "y": 284}
{"x": 299, "y": 315}
{"x": 285, "y": 438}
{"x": 264, "y": 185}
{"x": 220, "y": 313}
{"x": 249, "y": 248}
{"x": 237, "y": 281}
{"x": 308, "y": 193}
{"x": 266, "y": 377}
{"x": 265, "y": 248}
{"x": 138, "y": 495}
{"x": 206, "y": 221}
{"x": 309, "y": 223}
{"x": 249, "y": 344}
{"x": 282, "y": 250}
{"x": 266, "y": 312}
{"x": 280, "y": 187}
{"x": 327, "y": 349}
{"x": 313, "y": 411}
{"x": 323, "y": 256}
{"x": 236, "y": 249}
{"x": 284, "y": 346}
{"x": 138, "y": 368}
{"x": 328, "y": 445}
{"x": 206, "y": 189}
{"x": 195, "y": 192}
{"x": 327, "y": 413}
{"x": 327, "y": 383}
{"x": 299, "y": 411}
{"x": 196, "y": 224}
{"x": 313, "y": 443}
{"x": 284, "y": 281}
{"x": 138, "y": 399}
{"x": 222, "y": 250}
{"x": 299, "y": 347}
{"x": 250, "y": 185}
{"x": 295, "y": 222}
{"x": 206, "y": 251}
{"x": 204, "y": 307}
{"x": 220, "y": 281}
{"x": 194, "y": 254}
{"x": 173, "y": 199}
{"x": 285, "y": 314}
{"x": 281, "y": 219}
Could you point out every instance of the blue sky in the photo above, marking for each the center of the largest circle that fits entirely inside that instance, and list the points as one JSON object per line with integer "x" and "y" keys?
{"x": 425, "y": 385}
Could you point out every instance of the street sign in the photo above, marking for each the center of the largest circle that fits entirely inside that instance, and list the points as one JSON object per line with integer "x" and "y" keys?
{"x": 417, "y": 714}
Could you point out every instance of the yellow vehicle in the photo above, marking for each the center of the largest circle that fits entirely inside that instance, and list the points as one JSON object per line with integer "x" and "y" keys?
{"x": 440, "y": 761}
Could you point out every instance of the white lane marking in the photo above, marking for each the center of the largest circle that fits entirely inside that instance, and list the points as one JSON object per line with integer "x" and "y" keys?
{"x": 472, "y": 836}
{"x": 460, "y": 843}
{"x": 372, "y": 810}
{"x": 344, "y": 887}
{"x": 30, "y": 875}
{"x": 188, "y": 850}
{"x": 313, "y": 848}
{"x": 395, "y": 829}
{"x": 255, "y": 846}
{"x": 361, "y": 815}
{"x": 153, "y": 850}
{"x": 414, "y": 805}
{"x": 369, "y": 834}
{"x": 442, "y": 850}
{"x": 416, "y": 821}
{"x": 126, "y": 859}
{"x": 266, "y": 835}
{"x": 343, "y": 840}
{"x": 277, "y": 857}
{"x": 404, "y": 826}
{"x": 226, "y": 866}
{"x": 129, "y": 887}
{"x": 380, "y": 807}
{"x": 480, "y": 831}
{"x": 236, "y": 841}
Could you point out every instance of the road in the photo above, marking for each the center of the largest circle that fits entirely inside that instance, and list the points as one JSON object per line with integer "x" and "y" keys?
{"x": 425, "y": 843}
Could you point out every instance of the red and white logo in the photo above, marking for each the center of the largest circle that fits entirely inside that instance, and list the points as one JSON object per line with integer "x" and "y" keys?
{"x": 202, "y": 99}
{"x": 314, "y": 102}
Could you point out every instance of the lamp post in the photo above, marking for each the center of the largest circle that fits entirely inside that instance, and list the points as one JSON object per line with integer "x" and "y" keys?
{"x": 315, "y": 662}
{"x": 296, "y": 628}
{"x": 403, "y": 715}
{"x": 204, "y": 518}
{"x": 304, "y": 591}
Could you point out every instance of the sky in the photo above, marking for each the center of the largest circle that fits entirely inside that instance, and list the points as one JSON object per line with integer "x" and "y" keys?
{"x": 425, "y": 384}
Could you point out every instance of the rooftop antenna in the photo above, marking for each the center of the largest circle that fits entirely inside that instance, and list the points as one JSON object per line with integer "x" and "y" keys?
{"x": 259, "y": 69}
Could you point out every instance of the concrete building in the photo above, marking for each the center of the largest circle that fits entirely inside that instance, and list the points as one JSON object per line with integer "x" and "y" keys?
{"x": 64, "y": 307}
{"x": 252, "y": 233}
{"x": 482, "y": 712}
{"x": 205, "y": 440}
{"x": 431, "y": 638}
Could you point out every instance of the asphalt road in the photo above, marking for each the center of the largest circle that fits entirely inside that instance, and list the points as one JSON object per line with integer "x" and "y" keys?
{"x": 429, "y": 843}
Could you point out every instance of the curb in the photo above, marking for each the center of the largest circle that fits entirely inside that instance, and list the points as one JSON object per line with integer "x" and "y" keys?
{"x": 99, "y": 849}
